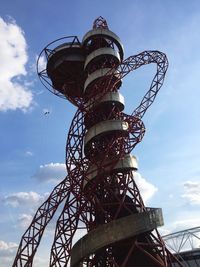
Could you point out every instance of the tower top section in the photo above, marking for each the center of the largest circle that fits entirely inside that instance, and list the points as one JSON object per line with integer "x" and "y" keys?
{"x": 64, "y": 65}
{"x": 100, "y": 22}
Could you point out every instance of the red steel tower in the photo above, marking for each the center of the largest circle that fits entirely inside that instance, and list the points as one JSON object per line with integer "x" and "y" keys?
{"x": 99, "y": 192}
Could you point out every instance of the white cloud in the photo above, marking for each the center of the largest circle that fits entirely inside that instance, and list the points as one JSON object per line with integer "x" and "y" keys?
{"x": 13, "y": 54}
{"x": 23, "y": 199}
{"x": 164, "y": 231}
{"x": 7, "y": 252}
{"x": 42, "y": 261}
{"x": 79, "y": 234}
{"x": 29, "y": 153}
{"x": 52, "y": 172}
{"x": 192, "y": 192}
{"x": 183, "y": 224}
{"x": 41, "y": 63}
{"x": 147, "y": 189}
{"x": 6, "y": 246}
{"x": 183, "y": 219}
{"x": 24, "y": 220}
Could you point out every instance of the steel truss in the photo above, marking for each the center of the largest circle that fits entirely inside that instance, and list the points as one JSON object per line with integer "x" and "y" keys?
{"x": 185, "y": 240}
{"x": 98, "y": 191}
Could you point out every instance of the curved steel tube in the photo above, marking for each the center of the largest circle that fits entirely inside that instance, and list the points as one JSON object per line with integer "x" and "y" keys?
{"x": 106, "y": 33}
{"x": 115, "y": 231}
{"x": 105, "y": 127}
{"x": 129, "y": 162}
{"x": 106, "y": 51}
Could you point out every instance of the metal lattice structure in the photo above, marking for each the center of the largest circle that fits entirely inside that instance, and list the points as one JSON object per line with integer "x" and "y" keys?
{"x": 99, "y": 193}
{"x": 188, "y": 239}
{"x": 185, "y": 245}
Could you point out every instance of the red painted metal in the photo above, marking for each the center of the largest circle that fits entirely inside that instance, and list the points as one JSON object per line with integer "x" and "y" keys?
{"x": 101, "y": 23}
{"x": 111, "y": 194}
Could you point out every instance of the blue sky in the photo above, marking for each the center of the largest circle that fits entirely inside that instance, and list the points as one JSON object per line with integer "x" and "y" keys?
{"x": 32, "y": 145}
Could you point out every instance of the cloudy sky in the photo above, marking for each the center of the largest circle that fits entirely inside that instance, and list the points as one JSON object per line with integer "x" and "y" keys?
{"x": 32, "y": 144}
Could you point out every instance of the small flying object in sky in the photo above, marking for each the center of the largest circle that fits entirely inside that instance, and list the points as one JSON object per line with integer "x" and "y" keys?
{"x": 46, "y": 111}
